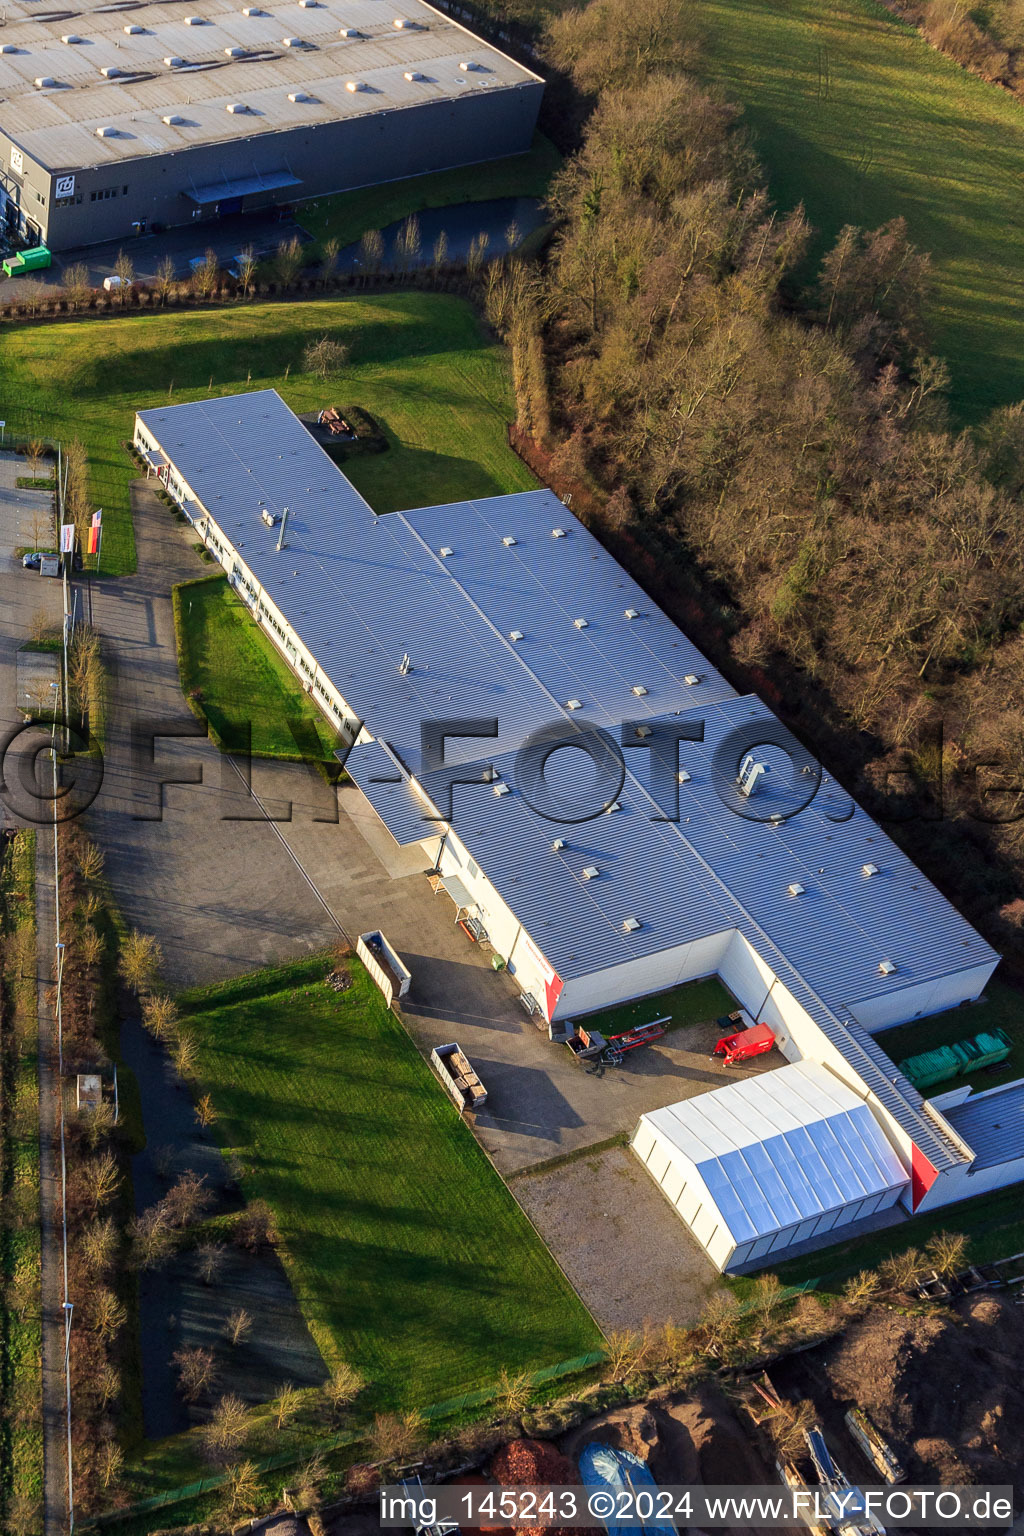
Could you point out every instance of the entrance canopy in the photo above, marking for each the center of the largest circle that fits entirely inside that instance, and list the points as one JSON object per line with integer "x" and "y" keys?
{"x": 241, "y": 186}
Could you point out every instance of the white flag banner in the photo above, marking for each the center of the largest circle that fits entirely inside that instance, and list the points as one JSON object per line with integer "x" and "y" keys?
{"x": 67, "y": 538}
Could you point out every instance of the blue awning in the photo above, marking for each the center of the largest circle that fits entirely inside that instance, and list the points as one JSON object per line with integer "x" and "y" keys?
{"x": 242, "y": 186}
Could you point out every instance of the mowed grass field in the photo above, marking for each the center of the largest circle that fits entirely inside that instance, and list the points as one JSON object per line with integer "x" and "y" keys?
{"x": 408, "y": 1255}
{"x": 421, "y": 363}
{"x": 857, "y": 117}
{"x": 241, "y": 678}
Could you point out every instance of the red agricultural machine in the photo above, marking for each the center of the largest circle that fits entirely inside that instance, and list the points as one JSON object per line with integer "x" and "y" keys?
{"x": 591, "y": 1045}
{"x": 745, "y": 1044}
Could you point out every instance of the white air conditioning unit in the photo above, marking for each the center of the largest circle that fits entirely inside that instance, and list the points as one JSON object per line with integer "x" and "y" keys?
{"x": 631, "y": 613}
{"x": 591, "y": 872}
{"x": 868, "y": 870}
{"x": 631, "y": 924}
{"x": 796, "y": 889}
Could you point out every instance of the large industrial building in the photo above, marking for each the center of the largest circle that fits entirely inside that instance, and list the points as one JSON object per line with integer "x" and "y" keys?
{"x": 118, "y": 119}
{"x": 586, "y": 814}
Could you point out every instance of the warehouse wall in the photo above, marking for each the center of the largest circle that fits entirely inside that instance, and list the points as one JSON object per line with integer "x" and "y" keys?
{"x": 359, "y": 151}
{"x": 916, "y": 1002}
{"x": 638, "y": 978}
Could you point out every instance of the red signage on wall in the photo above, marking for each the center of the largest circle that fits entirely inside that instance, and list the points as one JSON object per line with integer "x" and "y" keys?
{"x": 922, "y": 1176}
{"x": 553, "y": 985}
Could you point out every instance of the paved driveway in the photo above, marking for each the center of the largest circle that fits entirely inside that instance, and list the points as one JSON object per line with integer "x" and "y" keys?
{"x": 226, "y": 894}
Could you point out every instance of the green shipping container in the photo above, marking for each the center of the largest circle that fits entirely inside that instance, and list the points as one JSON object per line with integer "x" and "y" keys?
{"x": 986, "y": 1049}
{"x": 931, "y": 1067}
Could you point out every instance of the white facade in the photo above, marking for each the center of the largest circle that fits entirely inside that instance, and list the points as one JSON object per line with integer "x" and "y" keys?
{"x": 770, "y": 1162}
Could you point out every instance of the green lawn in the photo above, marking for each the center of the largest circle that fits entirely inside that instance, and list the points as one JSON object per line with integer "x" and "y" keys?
{"x": 855, "y": 115}
{"x": 694, "y": 1003}
{"x": 1002, "y": 1008}
{"x": 241, "y": 677}
{"x": 409, "y": 1257}
{"x": 421, "y": 363}
{"x": 347, "y": 215}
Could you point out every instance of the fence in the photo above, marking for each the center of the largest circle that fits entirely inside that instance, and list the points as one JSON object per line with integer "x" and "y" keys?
{"x": 290, "y": 1458}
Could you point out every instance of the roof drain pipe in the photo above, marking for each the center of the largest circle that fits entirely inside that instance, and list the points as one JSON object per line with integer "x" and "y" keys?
{"x": 284, "y": 525}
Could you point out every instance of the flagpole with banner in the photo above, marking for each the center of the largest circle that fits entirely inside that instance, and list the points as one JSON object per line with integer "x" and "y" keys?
{"x": 96, "y": 535}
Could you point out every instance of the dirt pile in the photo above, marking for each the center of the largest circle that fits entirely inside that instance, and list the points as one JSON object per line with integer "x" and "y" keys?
{"x": 946, "y": 1389}
{"x": 536, "y": 1464}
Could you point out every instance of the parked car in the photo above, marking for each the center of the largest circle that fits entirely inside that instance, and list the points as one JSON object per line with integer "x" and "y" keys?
{"x": 113, "y": 283}
{"x": 33, "y": 560}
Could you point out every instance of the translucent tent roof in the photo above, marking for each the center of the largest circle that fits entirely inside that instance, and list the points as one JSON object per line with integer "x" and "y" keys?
{"x": 779, "y": 1148}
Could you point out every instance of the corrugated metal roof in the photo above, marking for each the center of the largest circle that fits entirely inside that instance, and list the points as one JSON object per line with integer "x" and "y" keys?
{"x": 512, "y": 623}
{"x": 58, "y": 127}
{"x": 780, "y": 1148}
{"x": 992, "y": 1124}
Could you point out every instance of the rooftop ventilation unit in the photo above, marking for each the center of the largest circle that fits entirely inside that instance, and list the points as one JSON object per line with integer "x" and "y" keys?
{"x": 309, "y": 5}
{"x": 111, "y": 72}
{"x": 683, "y": 776}
{"x": 591, "y": 872}
{"x": 236, "y": 107}
{"x": 300, "y": 96}
{"x": 501, "y": 788}
{"x": 750, "y": 774}
{"x": 349, "y": 32}
{"x": 445, "y": 552}
{"x": 133, "y": 29}
{"x": 195, "y": 21}
{"x": 691, "y": 679}
{"x": 107, "y": 132}
{"x": 72, "y": 37}
{"x": 869, "y": 869}
{"x": 615, "y": 806}
{"x": 291, "y": 42}
{"x": 643, "y": 731}
{"x": 508, "y": 541}
{"x": 558, "y": 533}
{"x": 573, "y": 704}
{"x": 558, "y": 844}
{"x": 236, "y": 52}
{"x": 355, "y": 85}
{"x": 631, "y": 924}
{"x": 580, "y": 623}
{"x": 886, "y": 968}
{"x": 405, "y": 665}
{"x": 405, "y": 24}
{"x": 631, "y": 613}
{"x": 8, "y": 47}
{"x": 417, "y": 74}
{"x": 468, "y": 66}
{"x": 252, "y": 10}
{"x": 515, "y": 634}
{"x": 44, "y": 82}
{"x": 173, "y": 61}
{"x": 796, "y": 889}
{"x": 639, "y": 690}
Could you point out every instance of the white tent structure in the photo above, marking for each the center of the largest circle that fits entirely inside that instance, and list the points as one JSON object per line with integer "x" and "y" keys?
{"x": 770, "y": 1161}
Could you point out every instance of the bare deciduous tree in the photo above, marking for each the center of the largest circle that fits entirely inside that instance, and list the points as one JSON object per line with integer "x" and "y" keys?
{"x": 228, "y": 1427}
{"x": 325, "y": 357}
{"x": 195, "y": 1372}
{"x": 238, "y": 1326}
{"x": 140, "y": 960}
{"x": 288, "y": 261}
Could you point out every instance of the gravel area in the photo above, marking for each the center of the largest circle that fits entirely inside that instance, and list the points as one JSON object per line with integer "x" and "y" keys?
{"x": 618, "y": 1240}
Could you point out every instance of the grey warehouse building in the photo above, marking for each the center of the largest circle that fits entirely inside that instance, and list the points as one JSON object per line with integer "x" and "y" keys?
{"x": 116, "y": 119}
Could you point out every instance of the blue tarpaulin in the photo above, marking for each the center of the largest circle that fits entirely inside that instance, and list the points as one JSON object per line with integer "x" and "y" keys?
{"x": 618, "y": 1472}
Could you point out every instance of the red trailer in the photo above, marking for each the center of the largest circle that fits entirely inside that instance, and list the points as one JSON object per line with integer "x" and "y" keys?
{"x": 744, "y": 1045}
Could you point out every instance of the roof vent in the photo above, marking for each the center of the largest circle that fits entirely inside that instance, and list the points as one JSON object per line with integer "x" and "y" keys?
{"x": 44, "y": 82}
{"x": 683, "y": 776}
{"x": 691, "y": 679}
{"x": 133, "y": 29}
{"x": 558, "y": 533}
{"x": 558, "y": 844}
{"x": 309, "y": 5}
{"x": 236, "y": 106}
{"x": 417, "y": 74}
{"x": 615, "y": 806}
{"x": 403, "y": 24}
{"x": 591, "y": 872}
{"x": 173, "y": 120}
{"x": 72, "y": 37}
{"x": 515, "y": 634}
{"x": 631, "y": 924}
{"x": 300, "y": 96}
{"x": 107, "y": 132}
{"x": 445, "y": 552}
{"x": 631, "y": 613}
{"x": 349, "y": 32}
{"x": 236, "y": 52}
{"x": 643, "y": 731}
{"x": 869, "y": 869}
{"x": 886, "y": 968}
{"x": 639, "y": 690}
{"x": 468, "y": 66}
{"x": 173, "y": 61}
{"x": 292, "y": 42}
{"x": 252, "y": 10}
{"x": 195, "y": 21}
{"x": 508, "y": 541}
{"x": 501, "y": 788}
{"x": 8, "y": 47}
{"x": 352, "y": 85}
{"x": 796, "y": 889}
{"x": 111, "y": 71}
{"x": 580, "y": 623}
{"x": 573, "y": 704}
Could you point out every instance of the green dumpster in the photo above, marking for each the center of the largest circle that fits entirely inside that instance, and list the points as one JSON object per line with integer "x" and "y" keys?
{"x": 931, "y": 1067}
{"x": 987, "y": 1049}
